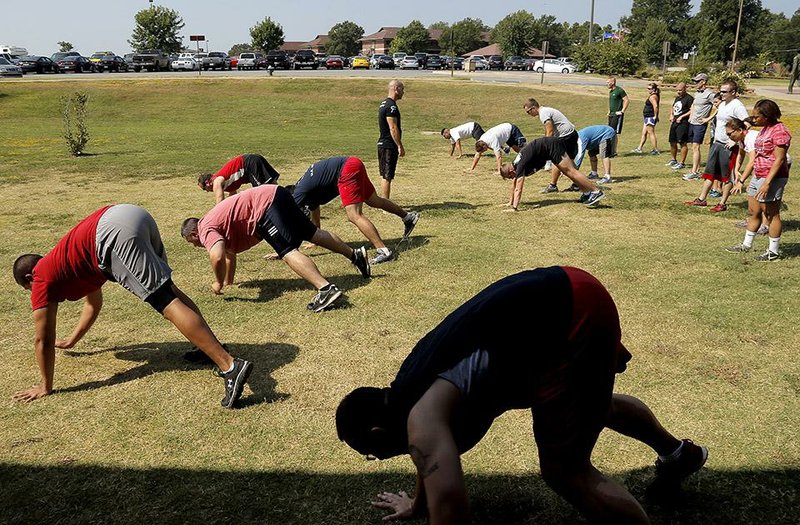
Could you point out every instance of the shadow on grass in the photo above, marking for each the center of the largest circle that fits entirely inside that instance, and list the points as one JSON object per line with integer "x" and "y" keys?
{"x": 99, "y": 494}
{"x": 269, "y": 289}
{"x": 168, "y": 356}
{"x": 444, "y": 206}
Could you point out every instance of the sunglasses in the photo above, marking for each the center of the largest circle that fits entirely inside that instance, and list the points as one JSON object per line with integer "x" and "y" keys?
{"x": 528, "y": 110}
{"x": 725, "y": 91}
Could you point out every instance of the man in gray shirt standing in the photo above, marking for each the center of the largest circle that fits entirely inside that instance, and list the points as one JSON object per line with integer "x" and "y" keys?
{"x": 698, "y": 121}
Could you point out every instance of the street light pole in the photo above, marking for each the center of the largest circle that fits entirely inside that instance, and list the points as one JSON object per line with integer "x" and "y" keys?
{"x": 591, "y": 23}
{"x": 736, "y": 41}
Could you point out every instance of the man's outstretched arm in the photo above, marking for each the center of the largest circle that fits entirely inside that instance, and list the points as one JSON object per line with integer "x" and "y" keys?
{"x": 218, "y": 189}
{"x": 92, "y": 305}
{"x": 218, "y": 264}
{"x": 44, "y": 320}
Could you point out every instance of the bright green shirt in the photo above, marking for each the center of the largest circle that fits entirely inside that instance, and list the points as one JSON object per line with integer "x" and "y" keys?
{"x": 615, "y": 99}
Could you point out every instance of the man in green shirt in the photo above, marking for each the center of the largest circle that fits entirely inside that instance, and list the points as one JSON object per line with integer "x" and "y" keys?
{"x": 617, "y": 105}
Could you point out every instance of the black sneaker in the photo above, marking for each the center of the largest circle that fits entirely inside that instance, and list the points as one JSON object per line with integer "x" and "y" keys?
{"x": 594, "y": 198}
{"x": 324, "y": 298}
{"x": 690, "y": 460}
{"x": 573, "y": 187}
{"x": 768, "y": 256}
{"x": 409, "y": 223}
{"x": 361, "y": 262}
{"x": 198, "y": 357}
{"x": 235, "y": 380}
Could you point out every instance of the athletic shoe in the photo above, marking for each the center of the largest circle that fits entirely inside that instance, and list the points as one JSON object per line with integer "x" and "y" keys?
{"x": 768, "y": 256}
{"x": 606, "y": 180}
{"x": 235, "y": 380}
{"x": 678, "y": 166}
{"x": 762, "y": 230}
{"x": 738, "y": 248}
{"x": 360, "y": 261}
{"x": 655, "y": 152}
{"x": 592, "y": 175}
{"x": 409, "y": 223}
{"x": 696, "y": 202}
{"x": 718, "y": 208}
{"x": 584, "y": 197}
{"x": 714, "y": 194}
{"x": 551, "y": 188}
{"x": 594, "y": 198}
{"x": 672, "y": 163}
{"x": 573, "y": 187}
{"x": 691, "y": 176}
{"x": 324, "y": 299}
{"x": 690, "y": 460}
{"x": 636, "y": 150}
{"x": 742, "y": 224}
{"x": 382, "y": 257}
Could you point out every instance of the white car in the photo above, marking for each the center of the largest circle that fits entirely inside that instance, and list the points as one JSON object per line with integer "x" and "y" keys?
{"x": 398, "y": 58}
{"x": 479, "y": 61}
{"x": 246, "y": 61}
{"x": 7, "y": 69}
{"x": 409, "y": 62}
{"x": 552, "y": 65}
{"x": 185, "y": 62}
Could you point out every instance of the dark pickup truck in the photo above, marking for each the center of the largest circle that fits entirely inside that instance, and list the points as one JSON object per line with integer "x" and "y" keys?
{"x": 305, "y": 58}
{"x": 278, "y": 59}
{"x": 151, "y": 60}
{"x": 217, "y": 60}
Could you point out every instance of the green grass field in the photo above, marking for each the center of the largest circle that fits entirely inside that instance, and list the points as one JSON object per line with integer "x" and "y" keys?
{"x": 133, "y": 434}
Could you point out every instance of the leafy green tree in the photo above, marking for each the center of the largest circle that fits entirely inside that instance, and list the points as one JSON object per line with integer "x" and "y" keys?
{"x": 413, "y": 38}
{"x": 157, "y": 28}
{"x": 547, "y": 28}
{"x": 439, "y": 25}
{"x": 655, "y": 33}
{"x": 577, "y": 34}
{"x": 782, "y": 42}
{"x": 65, "y": 46}
{"x": 609, "y": 57}
{"x": 266, "y": 35}
{"x": 343, "y": 39}
{"x": 715, "y": 24}
{"x": 464, "y": 36}
{"x": 238, "y": 49}
{"x": 516, "y": 33}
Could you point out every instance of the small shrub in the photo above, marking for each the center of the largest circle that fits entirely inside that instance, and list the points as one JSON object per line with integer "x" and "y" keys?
{"x": 73, "y": 111}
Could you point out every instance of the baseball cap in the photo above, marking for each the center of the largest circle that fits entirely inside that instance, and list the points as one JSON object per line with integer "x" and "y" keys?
{"x": 699, "y": 77}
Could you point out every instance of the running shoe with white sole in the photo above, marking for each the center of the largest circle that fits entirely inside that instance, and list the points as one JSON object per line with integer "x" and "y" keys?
{"x": 410, "y": 222}
{"x": 324, "y": 298}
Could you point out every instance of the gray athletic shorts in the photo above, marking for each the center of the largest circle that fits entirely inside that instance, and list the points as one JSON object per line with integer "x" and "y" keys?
{"x": 775, "y": 192}
{"x": 130, "y": 251}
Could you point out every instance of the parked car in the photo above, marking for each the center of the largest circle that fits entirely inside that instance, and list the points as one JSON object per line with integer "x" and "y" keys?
{"x": 78, "y": 64}
{"x": 422, "y": 59}
{"x": 216, "y": 60}
{"x": 478, "y": 61}
{"x": 185, "y": 63}
{"x": 334, "y": 62}
{"x": 246, "y": 61}
{"x": 98, "y": 57}
{"x": 454, "y": 62}
{"x": 434, "y": 62}
{"x": 566, "y": 60}
{"x": 529, "y": 63}
{"x": 278, "y": 59}
{"x": 151, "y": 60}
{"x": 384, "y": 62}
{"x": 409, "y": 62}
{"x": 38, "y": 64}
{"x": 7, "y": 69}
{"x": 495, "y": 62}
{"x": 321, "y": 58}
{"x": 128, "y": 58}
{"x": 55, "y": 57}
{"x": 234, "y": 62}
{"x": 552, "y": 65}
{"x": 359, "y": 62}
{"x": 261, "y": 61}
{"x": 305, "y": 58}
{"x": 398, "y": 58}
{"x": 515, "y": 63}
{"x": 113, "y": 63}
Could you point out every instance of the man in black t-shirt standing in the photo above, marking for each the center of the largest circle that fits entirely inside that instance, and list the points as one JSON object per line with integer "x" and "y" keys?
{"x": 390, "y": 144}
{"x": 535, "y": 155}
{"x": 679, "y": 127}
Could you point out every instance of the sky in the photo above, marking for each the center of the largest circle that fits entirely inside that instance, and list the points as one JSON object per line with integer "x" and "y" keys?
{"x": 99, "y": 25}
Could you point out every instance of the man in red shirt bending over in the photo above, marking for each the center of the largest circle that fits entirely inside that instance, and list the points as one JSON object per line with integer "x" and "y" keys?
{"x": 251, "y": 167}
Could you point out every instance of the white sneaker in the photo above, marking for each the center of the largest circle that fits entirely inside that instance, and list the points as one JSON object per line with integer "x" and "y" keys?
{"x": 606, "y": 180}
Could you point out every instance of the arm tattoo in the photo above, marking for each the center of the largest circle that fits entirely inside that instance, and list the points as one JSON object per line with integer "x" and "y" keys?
{"x": 422, "y": 461}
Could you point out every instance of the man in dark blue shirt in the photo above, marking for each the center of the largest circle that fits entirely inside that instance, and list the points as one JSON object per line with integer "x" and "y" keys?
{"x": 390, "y": 143}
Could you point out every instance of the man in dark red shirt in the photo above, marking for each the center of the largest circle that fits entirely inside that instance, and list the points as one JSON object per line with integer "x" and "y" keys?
{"x": 251, "y": 167}
{"x": 119, "y": 243}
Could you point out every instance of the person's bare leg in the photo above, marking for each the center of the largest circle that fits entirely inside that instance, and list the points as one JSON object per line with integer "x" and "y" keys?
{"x": 772, "y": 216}
{"x": 593, "y": 162}
{"x": 706, "y": 188}
{"x": 695, "y": 157}
{"x": 376, "y": 201}
{"x": 386, "y": 188}
{"x": 364, "y": 225}
{"x": 673, "y": 150}
{"x": 554, "y": 174}
{"x": 607, "y": 165}
{"x": 332, "y": 242}
{"x": 644, "y": 137}
{"x": 302, "y": 265}
{"x": 194, "y": 328}
{"x": 684, "y": 152}
{"x": 755, "y": 214}
{"x": 651, "y": 130}
{"x": 631, "y": 417}
{"x": 726, "y": 192}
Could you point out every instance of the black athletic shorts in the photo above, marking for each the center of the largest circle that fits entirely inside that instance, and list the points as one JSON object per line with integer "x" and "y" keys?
{"x": 387, "y": 162}
{"x": 571, "y": 144}
{"x": 477, "y": 132}
{"x": 615, "y": 121}
{"x": 516, "y": 138}
{"x": 679, "y": 132}
{"x": 284, "y": 226}
{"x": 259, "y": 171}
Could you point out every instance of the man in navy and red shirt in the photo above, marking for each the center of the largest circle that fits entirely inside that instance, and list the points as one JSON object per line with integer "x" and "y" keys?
{"x": 122, "y": 244}
{"x": 346, "y": 177}
{"x": 251, "y": 167}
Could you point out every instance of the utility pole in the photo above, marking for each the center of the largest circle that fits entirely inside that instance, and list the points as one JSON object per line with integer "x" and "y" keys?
{"x": 736, "y": 41}
{"x": 591, "y": 23}
{"x": 665, "y": 51}
{"x": 545, "y": 45}
{"x": 452, "y": 50}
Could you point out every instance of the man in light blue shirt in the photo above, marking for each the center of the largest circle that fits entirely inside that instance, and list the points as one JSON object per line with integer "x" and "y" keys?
{"x": 597, "y": 141}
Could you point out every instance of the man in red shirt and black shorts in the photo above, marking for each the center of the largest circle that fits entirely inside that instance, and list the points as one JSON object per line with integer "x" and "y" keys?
{"x": 251, "y": 167}
{"x": 469, "y": 370}
{"x": 347, "y": 178}
{"x": 122, "y": 244}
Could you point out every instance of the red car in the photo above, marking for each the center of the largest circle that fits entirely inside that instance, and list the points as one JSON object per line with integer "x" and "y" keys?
{"x": 234, "y": 61}
{"x": 334, "y": 62}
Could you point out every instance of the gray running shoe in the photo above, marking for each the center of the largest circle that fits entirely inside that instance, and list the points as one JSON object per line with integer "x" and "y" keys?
{"x": 762, "y": 230}
{"x": 636, "y": 150}
{"x": 606, "y": 180}
{"x": 409, "y": 224}
{"x": 768, "y": 256}
{"x": 655, "y": 152}
{"x": 324, "y": 299}
{"x": 671, "y": 163}
{"x": 360, "y": 261}
{"x": 592, "y": 176}
{"x": 738, "y": 248}
{"x": 381, "y": 257}
{"x": 679, "y": 166}
{"x": 594, "y": 198}
{"x": 691, "y": 176}
{"x": 551, "y": 188}
{"x": 235, "y": 380}
{"x": 714, "y": 194}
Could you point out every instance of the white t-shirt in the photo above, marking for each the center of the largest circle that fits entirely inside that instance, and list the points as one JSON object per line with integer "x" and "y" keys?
{"x": 726, "y": 110}
{"x": 562, "y": 124}
{"x": 497, "y": 136}
{"x": 750, "y": 145}
{"x": 462, "y": 131}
